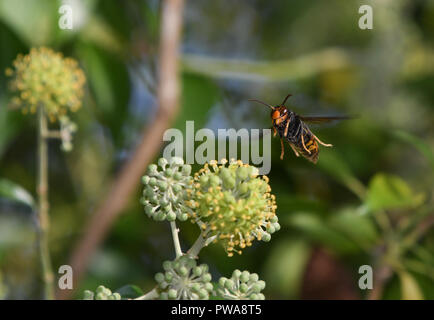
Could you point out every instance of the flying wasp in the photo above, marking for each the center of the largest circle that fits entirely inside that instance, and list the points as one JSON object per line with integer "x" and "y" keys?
{"x": 293, "y": 128}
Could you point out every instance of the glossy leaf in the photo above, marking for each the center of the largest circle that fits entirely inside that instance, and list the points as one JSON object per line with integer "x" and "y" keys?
{"x": 391, "y": 192}
{"x": 13, "y": 191}
{"x": 410, "y": 289}
{"x": 285, "y": 267}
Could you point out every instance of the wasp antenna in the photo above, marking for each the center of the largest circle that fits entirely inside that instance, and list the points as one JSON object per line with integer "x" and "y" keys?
{"x": 284, "y": 100}
{"x": 265, "y": 104}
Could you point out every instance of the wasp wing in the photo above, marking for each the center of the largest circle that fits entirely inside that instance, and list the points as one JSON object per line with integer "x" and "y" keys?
{"x": 320, "y": 119}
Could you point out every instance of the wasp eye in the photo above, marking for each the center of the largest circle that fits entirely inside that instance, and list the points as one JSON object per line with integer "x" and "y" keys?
{"x": 275, "y": 114}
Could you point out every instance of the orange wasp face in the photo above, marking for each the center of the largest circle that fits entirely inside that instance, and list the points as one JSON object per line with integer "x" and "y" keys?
{"x": 279, "y": 114}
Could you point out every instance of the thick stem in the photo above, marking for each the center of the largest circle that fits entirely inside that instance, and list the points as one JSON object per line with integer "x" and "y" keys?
{"x": 176, "y": 243}
{"x": 43, "y": 205}
{"x": 197, "y": 246}
{"x": 202, "y": 241}
{"x": 153, "y": 294}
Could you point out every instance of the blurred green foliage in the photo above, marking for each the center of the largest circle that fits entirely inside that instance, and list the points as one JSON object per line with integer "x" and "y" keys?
{"x": 368, "y": 201}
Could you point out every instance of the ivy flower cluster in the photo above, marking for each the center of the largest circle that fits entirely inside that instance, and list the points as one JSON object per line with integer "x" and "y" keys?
{"x": 233, "y": 204}
{"x": 101, "y": 293}
{"x": 165, "y": 190}
{"x": 241, "y": 286}
{"x": 184, "y": 279}
{"x": 44, "y": 78}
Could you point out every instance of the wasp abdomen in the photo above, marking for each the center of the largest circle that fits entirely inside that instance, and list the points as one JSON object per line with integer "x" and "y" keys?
{"x": 293, "y": 130}
{"x": 308, "y": 146}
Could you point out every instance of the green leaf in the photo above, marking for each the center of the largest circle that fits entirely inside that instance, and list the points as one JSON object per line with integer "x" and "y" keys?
{"x": 391, "y": 192}
{"x": 336, "y": 167}
{"x": 285, "y": 267}
{"x": 418, "y": 143}
{"x": 130, "y": 291}
{"x": 355, "y": 226}
{"x": 410, "y": 289}
{"x": 10, "y": 124}
{"x": 305, "y": 66}
{"x": 35, "y": 21}
{"x": 12, "y": 191}
{"x": 317, "y": 230}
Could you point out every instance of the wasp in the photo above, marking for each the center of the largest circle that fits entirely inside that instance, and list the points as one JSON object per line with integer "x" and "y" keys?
{"x": 293, "y": 128}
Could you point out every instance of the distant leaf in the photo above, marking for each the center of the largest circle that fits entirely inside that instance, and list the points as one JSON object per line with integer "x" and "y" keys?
{"x": 285, "y": 267}
{"x": 35, "y": 21}
{"x": 418, "y": 143}
{"x": 10, "y": 123}
{"x": 336, "y": 167}
{"x": 130, "y": 291}
{"x": 410, "y": 289}
{"x": 100, "y": 33}
{"x": 391, "y": 192}
{"x": 307, "y": 65}
{"x": 12, "y": 191}
{"x": 359, "y": 228}
{"x": 318, "y": 231}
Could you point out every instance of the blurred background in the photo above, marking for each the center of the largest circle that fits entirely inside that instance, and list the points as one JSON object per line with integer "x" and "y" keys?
{"x": 368, "y": 201}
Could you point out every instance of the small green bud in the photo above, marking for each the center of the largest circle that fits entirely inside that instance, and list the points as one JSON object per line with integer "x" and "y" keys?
{"x": 162, "y": 162}
{"x": 171, "y": 216}
{"x": 206, "y": 277}
{"x": 152, "y": 169}
{"x": 145, "y": 180}
{"x": 159, "y": 277}
{"x": 243, "y": 288}
{"x": 244, "y": 277}
{"x": 88, "y": 295}
{"x": 186, "y": 170}
{"x": 172, "y": 294}
{"x": 167, "y": 265}
{"x": 229, "y": 284}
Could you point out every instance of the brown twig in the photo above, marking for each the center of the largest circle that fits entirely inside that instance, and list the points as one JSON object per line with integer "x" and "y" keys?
{"x": 129, "y": 177}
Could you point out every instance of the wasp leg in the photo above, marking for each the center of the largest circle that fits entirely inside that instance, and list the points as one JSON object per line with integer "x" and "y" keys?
{"x": 274, "y": 132}
{"x": 282, "y": 152}
{"x": 304, "y": 146}
{"x": 295, "y": 151}
{"x": 324, "y": 144}
{"x": 286, "y": 128}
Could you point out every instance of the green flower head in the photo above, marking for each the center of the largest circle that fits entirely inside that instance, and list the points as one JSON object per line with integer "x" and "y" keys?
{"x": 183, "y": 279}
{"x": 44, "y": 78}
{"x": 165, "y": 191}
{"x": 241, "y": 286}
{"x": 234, "y": 204}
{"x": 101, "y": 293}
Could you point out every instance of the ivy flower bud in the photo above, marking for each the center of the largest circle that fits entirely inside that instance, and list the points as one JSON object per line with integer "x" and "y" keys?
{"x": 184, "y": 279}
{"x": 233, "y": 204}
{"x": 44, "y": 78}
{"x": 166, "y": 190}
{"x": 101, "y": 293}
{"x": 241, "y": 286}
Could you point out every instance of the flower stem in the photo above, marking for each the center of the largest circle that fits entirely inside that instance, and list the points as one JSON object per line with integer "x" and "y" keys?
{"x": 149, "y": 296}
{"x": 202, "y": 241}
{"x": 176, "y": 243}
{"x": 43, "y": 205}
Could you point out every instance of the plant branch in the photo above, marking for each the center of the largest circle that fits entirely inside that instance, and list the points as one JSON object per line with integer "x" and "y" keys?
{"x": 201, "y": 241}
{"x": 176, "y": 243}
{"x": 43, "y": 207}
{"x": 129, "y": 177}
{"x": 149, "y": 296}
